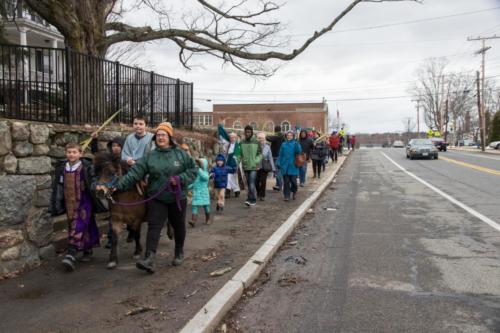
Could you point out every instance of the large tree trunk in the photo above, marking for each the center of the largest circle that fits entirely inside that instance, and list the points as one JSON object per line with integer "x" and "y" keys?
{"x": 82, "y": 23}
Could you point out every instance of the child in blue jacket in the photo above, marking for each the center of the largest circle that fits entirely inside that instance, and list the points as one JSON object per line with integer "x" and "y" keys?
{"x": 220, "y": 171}
{"x": 201, "y": 195}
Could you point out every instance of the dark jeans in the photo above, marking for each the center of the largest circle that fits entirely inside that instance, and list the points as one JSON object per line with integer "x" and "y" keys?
{"x": 334, "y": 154}
{"x": 317, "y": 166}
{"x": 251, "y": 190}
{"x": 302, "y": 173}
{"x": 261, "y": 183}
{"x": 157, "y": 214}
{"x": 279, "y": 178}
{"x": 289, "y": 185}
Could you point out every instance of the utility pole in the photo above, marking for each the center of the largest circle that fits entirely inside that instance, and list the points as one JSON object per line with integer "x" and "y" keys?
{"x": 482, "y": 118}
{"x": 481, "y": 128}
{"x": 418, "y": 115}
{"x": 446, "y": 118}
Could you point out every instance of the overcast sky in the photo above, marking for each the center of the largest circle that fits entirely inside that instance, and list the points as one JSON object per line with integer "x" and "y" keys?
{"x": 344, "y": 66}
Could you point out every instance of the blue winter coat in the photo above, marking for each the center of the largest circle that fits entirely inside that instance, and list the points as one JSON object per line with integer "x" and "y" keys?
{"x": 201, "y": 195}
{"x": 286, "y": 159}
{"x": 220, "y": 172}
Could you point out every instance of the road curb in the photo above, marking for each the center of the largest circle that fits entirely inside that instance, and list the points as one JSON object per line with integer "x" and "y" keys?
{"x": 215, "y": 309}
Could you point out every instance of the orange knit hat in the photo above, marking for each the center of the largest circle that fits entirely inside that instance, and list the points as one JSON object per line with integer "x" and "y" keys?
{"x": 167, "y": 127}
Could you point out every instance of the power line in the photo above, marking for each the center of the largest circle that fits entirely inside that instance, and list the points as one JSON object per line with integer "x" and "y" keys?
{"x": 435, "y": 18}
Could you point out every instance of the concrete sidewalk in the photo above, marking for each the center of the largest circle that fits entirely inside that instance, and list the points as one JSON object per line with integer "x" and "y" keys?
{"x": 94, "y": 299}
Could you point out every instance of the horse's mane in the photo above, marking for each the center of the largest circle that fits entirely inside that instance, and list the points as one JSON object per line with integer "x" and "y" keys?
{"x": 104, "y": 159}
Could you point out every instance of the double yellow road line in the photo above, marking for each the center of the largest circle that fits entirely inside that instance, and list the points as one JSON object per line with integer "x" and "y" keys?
{"x": 471, "y": 166}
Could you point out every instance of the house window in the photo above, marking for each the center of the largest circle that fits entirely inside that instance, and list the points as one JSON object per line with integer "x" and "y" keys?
{"x": 285, "y": 126}
{"x": 237, "y": 125}
{"x": 253, "y": 124}
{"x": 268, "y": 127}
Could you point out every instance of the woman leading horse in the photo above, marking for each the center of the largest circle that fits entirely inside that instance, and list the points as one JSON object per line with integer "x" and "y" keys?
{"x": 170, "y": 171}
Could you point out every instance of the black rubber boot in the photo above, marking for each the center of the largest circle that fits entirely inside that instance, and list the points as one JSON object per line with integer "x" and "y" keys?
{"x": 179, "y": 257}
{"x": 86, "y": 257}
{"x": 147, "y": 264}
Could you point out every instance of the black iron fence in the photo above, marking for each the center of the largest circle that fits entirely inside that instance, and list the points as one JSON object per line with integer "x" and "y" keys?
{"x": 64, "y": 86}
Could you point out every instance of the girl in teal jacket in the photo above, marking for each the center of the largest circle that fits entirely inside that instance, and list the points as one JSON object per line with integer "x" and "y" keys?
{"x": 201, "y": 195}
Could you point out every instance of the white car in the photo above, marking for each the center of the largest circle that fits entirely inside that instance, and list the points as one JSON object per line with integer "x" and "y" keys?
{"x": 398, "y": 144}
{"x": 494, "y": 145}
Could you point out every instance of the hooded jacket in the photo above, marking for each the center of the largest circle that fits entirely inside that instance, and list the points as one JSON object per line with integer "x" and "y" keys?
{"x": 118, "y": 140}
{"x": 251, "y": 153}
{"x": 220, "y": 172}
{"x": 160, "y": 165}
{"x": 306, "y": 144}
{"x": 201, "y": 195}
{"x": 286, "y": 160}
{"x": 334, "y": 141}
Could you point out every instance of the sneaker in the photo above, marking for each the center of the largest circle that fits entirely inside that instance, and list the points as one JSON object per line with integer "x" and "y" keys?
{"x": 286, "y": 199}
{"x": 276, "y": 188}
{"x": 261, "y": 199}
{"x": 247, "y": 203}
{"x": 294, "y": 195}
{"x": 69, "y": 263}
{"x": 301, "y": 185}
{"x": 252, "y": 203}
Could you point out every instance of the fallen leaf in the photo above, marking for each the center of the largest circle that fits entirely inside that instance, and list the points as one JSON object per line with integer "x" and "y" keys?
{"x": 140, "y": 309}
{"x": 221, "y": 271}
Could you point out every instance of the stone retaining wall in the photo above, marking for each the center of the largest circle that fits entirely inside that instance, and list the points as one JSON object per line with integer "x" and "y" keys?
{"x": 28, "y": 154}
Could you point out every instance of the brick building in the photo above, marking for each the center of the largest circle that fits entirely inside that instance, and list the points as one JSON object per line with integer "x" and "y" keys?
{"x": 202, "y": 119}
{"x": 266, "y": 116}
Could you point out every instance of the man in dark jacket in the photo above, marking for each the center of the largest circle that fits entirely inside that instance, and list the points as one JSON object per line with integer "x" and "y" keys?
{"x": 306, "y": 143}
{"x": 276, "y": 140}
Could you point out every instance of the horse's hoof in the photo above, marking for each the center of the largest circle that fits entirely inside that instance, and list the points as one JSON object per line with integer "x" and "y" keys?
{"x": 112, "y": 265}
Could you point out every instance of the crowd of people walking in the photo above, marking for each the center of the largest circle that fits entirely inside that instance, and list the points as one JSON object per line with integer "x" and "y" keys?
{"x": 173, "y": 178}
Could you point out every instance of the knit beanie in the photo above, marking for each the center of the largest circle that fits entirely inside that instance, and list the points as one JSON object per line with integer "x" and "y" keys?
{"x": 167, "y": 127}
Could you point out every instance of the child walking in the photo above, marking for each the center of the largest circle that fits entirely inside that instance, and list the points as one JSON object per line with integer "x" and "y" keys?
{"x": 221, "y": 173}
{"x": 201, "y": 195}
{"x": 72, "y": 194}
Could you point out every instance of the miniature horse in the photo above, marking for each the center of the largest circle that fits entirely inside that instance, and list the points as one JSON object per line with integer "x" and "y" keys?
{"x": 109, "y": 169}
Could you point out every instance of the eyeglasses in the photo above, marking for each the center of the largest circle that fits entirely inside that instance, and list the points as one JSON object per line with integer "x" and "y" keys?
{"x": 161, "y": 135}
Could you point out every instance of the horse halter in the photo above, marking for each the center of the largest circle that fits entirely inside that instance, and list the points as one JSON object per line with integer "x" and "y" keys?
{"x": 111, "y": 183}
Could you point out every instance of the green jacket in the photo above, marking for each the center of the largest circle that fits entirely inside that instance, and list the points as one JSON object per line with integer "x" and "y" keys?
{"x": 160, "y": 165}
{"x": 251, "y": 154}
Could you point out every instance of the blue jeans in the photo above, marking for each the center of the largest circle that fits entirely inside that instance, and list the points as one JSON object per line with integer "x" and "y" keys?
{"x": 289, "y": 185}
{"x": 252, "y": 190}
{"x": 302, "y": 173}
{"x": 279, "y": 177}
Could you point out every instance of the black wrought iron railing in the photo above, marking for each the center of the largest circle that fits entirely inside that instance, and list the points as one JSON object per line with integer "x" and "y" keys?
{"x": 64, "y": 86}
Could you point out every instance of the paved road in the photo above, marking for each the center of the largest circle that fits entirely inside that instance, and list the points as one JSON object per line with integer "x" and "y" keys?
{"x": 387, "y": 254}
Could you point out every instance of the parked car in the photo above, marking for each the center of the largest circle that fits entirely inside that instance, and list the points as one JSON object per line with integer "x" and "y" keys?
{"x": 439, "y": 143}
{"x": 398, "y": 144}
{"x": 467, "y": 143}
{"x": 386, "y": 144}
{"x": 494, "y": 145}
{"x": 421, "y": 148}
